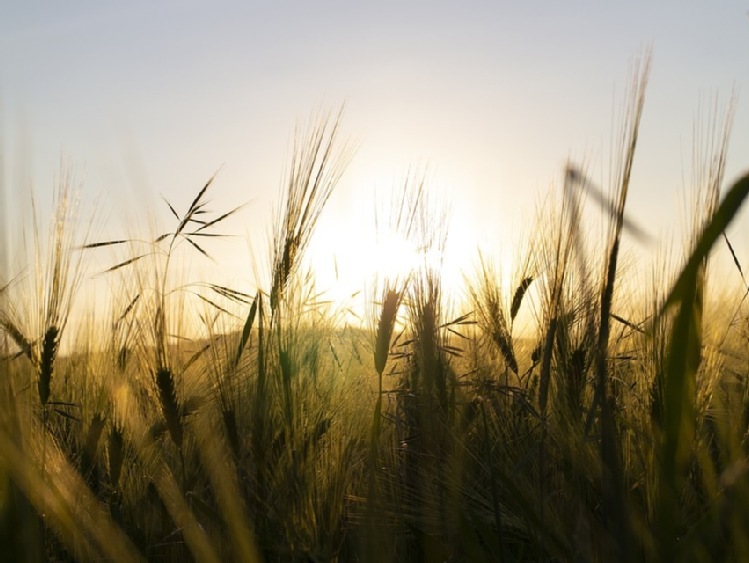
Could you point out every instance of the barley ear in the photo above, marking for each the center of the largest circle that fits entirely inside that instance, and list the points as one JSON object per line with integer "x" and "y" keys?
{"x": 517, "y": 299}
{"x": 46, "y": 362}
{"x": 169, "y": 405}
{"x": 17, "y": 336}
{"x": 503, "y": 339}
{"x": 385, "y": 328}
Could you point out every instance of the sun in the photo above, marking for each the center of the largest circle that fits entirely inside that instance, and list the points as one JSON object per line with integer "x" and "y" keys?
{"x": 351, "y": 262}
{"x": 395, "y": 257}
{"x": 370, "y": 239}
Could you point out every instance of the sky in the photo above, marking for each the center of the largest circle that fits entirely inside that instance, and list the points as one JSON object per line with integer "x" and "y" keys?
{"x": 486, "y": 100}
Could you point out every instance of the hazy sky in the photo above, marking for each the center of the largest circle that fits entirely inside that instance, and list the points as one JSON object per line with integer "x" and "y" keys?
{"x": 150, "y": 98}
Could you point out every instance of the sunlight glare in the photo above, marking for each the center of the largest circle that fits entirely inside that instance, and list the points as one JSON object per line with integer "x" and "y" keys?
{"x": 394, "y": 257}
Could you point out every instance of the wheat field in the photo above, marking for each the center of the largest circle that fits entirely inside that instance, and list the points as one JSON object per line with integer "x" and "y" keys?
{"x": 192, "y": 421}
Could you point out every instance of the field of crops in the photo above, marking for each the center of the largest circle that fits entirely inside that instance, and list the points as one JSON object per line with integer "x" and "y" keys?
{"x": 613, "y": 430}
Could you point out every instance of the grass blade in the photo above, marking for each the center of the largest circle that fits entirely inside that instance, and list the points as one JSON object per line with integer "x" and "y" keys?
{"x": 720, "y": 221}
